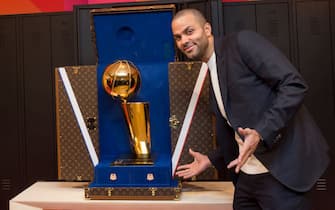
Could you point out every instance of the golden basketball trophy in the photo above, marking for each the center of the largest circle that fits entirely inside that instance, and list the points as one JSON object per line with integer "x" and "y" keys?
{"x": 122, "y": 80}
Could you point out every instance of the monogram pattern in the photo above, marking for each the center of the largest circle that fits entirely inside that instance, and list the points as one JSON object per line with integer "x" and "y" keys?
{"x": 182, "y": 79}
{"x": 133, "y": 193}
{"x": 74, "y": 163}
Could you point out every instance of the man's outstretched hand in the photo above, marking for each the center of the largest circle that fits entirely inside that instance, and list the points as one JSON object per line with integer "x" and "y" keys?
{"x": 199, "y": 164}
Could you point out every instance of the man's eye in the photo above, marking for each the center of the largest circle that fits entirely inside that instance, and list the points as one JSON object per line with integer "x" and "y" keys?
{"x": 189, "y": 32}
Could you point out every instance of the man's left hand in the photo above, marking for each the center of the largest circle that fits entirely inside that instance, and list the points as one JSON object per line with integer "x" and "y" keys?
{"x": 251, "y": 140}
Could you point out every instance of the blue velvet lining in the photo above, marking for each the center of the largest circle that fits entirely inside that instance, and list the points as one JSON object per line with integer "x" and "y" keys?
{"x": 145, "y": 39}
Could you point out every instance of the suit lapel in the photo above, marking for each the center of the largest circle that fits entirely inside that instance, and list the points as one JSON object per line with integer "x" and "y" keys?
{"x": 222, "y": 74}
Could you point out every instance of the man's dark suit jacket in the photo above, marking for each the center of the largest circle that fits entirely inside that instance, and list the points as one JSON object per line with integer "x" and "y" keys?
{"x": 262, "y": 90}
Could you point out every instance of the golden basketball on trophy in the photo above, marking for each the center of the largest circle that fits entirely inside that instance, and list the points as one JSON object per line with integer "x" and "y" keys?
{"x": 122, "y": 80}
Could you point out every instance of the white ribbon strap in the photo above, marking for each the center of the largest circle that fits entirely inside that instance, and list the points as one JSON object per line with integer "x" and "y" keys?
{"x": 79, "y": 116}
{"x": 188, "y": 117}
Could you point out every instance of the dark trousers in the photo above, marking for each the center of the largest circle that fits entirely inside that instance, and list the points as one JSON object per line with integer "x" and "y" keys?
{"x": 264, "y": 192}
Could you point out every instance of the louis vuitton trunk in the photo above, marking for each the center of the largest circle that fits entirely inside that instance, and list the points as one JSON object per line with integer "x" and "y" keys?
{"x": 74, "y": 163}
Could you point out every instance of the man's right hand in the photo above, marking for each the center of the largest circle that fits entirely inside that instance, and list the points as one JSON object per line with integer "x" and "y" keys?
{"x": 200, "y": 163}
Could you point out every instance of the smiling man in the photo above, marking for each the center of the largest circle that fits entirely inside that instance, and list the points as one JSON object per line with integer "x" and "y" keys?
{"x": 200, "y": 46}
{"x": 266, "y": 137}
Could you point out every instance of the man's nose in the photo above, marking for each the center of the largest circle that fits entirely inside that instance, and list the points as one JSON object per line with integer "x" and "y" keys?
{"x": 184, "y": 40}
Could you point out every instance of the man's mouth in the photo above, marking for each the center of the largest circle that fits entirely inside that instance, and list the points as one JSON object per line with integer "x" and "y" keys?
{"x": 188, "y": 48}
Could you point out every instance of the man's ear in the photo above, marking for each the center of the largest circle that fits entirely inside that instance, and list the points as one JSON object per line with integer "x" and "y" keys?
{"x": 208, "y": 29}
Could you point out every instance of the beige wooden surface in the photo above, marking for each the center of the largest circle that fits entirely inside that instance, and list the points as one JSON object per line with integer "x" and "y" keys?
{"x": 70, "y": 195}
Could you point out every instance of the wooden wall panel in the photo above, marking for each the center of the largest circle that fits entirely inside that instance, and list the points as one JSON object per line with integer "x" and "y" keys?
{"x": 316, "y": 63}
{"x": 62, "y": 39}
{"x": 315, "y": 60}
{"x": 273, "y": 23}
{"x": 86, "y": 54}
{"x": 11, "y": 176}
{"x": 239, "y": 17}
{"x": 271, "y": 19}
{"x": 38, "y": 85}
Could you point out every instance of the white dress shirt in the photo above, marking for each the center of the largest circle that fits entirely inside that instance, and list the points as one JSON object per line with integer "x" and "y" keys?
{"x": 252, "y": 165}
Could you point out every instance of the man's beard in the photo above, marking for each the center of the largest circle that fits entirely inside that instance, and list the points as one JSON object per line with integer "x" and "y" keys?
{"x": 196, "y": 54}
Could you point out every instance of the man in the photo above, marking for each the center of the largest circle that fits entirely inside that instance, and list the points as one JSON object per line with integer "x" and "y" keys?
{"x": 265, "y": 134}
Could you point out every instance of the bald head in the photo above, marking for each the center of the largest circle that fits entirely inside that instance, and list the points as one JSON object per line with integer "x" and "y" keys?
{"x": 194, "y": 12}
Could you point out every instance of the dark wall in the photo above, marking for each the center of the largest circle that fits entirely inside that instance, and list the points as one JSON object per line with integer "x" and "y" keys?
{"x": 11, "y": 125}
{"x": 31, "y": 46}
{"x": 315, "y": 54}
{"x": 271, "y": 19}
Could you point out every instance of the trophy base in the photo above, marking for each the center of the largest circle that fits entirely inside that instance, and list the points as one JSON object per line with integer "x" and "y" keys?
{"x": 132, "y": 160}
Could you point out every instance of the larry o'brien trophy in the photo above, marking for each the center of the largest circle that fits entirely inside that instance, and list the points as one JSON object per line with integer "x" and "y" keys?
{"x": 122, "y": 80}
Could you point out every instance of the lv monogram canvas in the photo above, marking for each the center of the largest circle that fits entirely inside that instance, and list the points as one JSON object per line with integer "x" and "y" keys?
{"x": 74, "y": 163}
{"x": 182, "y": 79}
